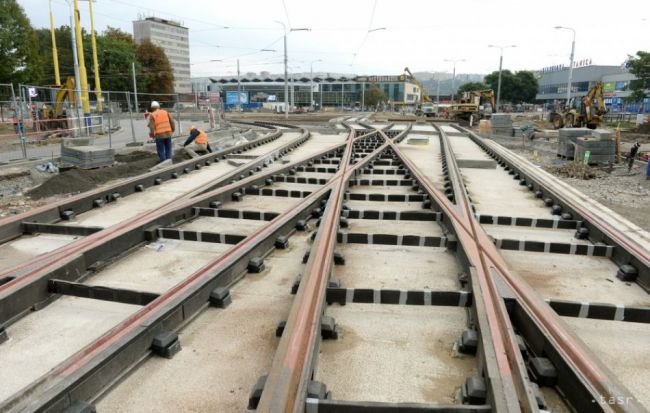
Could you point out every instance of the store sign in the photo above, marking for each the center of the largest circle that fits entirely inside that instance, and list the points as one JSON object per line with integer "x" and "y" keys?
{"x": 380, "y": 79}
{"x": 231, "y": 98}
{"x": 608, "y": 87}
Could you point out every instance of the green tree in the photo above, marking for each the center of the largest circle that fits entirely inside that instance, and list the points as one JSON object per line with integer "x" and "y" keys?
{"x": 374, "y": 96}
{"x": 520, "y": 87}
{"x": 155, "y": 67}
{"x": 117, "y": 34}
{"x": 470, "y": 86}
{"x": 639, "y": 66}
{"x": 18, "y": 51}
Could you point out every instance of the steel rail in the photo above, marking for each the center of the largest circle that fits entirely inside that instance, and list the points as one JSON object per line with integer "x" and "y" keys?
{"x": 501, "y": 335}
{"x": 287, "y": 381}
{"x": 13, "y": 224}
{"x": 13, "y": 304}
{"x": 88, "y": 371}
{"x": 598, "y": 379}
{"x": 31, "y": 264}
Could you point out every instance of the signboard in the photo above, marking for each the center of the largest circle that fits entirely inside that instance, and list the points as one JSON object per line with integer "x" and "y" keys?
{"x": 380, "y": 79}
{"x": 231, "y": 98}
{"x": 272, "y": 98}
{"x": 32, "y": 92}
{"x": 608, "y": 87}
{"x": 586, "y": 158}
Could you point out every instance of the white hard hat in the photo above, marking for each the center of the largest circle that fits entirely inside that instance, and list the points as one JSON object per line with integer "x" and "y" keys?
{"x": 155, "y": 104}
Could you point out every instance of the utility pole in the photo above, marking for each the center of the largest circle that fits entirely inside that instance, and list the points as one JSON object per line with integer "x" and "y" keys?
{"x": 453, "y": 78}
{"x": 573, "y": 50}
{"x": 238, "y": 88}
{"x": 311, "y": 76}
{"x": 77, "y": 76}
{"x": 55, "y": 54}
{"x": 135, "y": 86}
{"x": 500, "y": 67}
{"x": 98, "y": 85}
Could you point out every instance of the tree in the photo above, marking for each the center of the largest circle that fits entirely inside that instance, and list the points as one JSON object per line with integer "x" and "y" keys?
{"x": 471, "y": 86}
{"x": 156, "y": 69}
{"x": 516, "y": 88}
{"x": 639, "y": 66}
{"x": 18, "y": 51}
{"x": 117, "y": 34}
{"x": 374, "y": 96}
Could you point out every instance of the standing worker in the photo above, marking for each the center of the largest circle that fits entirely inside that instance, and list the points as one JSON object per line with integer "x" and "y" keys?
{"x": 632, "y": 155}
{"x": 161, "y": 128}
{"x": 200, "y": 139}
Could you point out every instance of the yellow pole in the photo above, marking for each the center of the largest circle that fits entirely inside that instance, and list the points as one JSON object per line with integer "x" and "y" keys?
{"x": 85, "y": 104}
{"x": 55, "y": 54}
{"x": 98, "y": 86}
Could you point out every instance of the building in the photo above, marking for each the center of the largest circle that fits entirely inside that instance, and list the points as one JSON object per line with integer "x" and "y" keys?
{"x": 174, "y": 39}
{"x": 328, "y": 89}
{"x": 615, "y": 80}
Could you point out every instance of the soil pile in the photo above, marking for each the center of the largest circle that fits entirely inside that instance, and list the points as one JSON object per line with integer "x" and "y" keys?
{"x": 79, "y": 180}
{"x": 574, "y": 170}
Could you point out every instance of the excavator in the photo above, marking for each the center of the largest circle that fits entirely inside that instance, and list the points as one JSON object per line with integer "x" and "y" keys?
{"x": 582, "y": 113}
{"x": 56, "y": 118}
{"x": 424, "y": 95}
{"x": 470, "y": 104}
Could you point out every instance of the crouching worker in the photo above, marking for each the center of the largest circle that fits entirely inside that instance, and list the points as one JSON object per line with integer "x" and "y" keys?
{"x": 197, "y": 142}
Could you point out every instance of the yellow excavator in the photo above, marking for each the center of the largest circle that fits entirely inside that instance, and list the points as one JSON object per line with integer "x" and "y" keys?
{"x": 424, "y": 95}
{"x": 578, "y": 114}
{"x": 57, "y": 118}
{"x": 470, "y": 104}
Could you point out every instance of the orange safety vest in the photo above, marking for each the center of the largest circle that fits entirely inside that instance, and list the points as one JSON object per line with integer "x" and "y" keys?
{"x": 202, "y": 139}
{"x": 161, "y": 123}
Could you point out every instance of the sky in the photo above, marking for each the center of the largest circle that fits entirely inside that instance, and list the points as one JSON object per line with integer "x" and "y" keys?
{"x": 381, "y": 37}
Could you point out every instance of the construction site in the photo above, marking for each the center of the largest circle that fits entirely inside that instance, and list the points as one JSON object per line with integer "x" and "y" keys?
{"x": 323, "y": 243}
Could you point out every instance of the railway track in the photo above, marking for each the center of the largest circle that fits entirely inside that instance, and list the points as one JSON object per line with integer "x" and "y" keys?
{"x": 375, "y": 270}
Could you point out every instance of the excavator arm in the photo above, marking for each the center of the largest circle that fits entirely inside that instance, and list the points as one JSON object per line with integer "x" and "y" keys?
{"x": 66, "y": 91}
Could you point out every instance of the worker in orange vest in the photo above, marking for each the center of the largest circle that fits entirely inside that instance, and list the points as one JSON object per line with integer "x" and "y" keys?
{"x": 199, "y": 142}
{"x": 161, "y": 128}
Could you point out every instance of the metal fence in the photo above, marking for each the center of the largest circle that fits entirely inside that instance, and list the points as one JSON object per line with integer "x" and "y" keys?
{"x": 35, "y": 120}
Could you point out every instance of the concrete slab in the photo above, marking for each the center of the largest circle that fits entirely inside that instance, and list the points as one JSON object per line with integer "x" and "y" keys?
{"x": 43, "y": 339}
{"x": 488, "y": 190}
{"x": 397, "y": 267}
{"x": 399, "y": 126}
{"x": 224, "y": 225}
{"x": 228, "y": 348}
{"x": 427, "y": 158}
{"x": 285, "y": 138}
{"x": 534, "y": 234}
{"x": 390, "y": 353}
{"x": 423, "y": 128}
{"x": 623, "y": 349}
{"x": 371, "y": 226}
{"x": 29, "y": 246}
{"x": 385, "y": 205}
{"x": 575, "y": 277}
{"x": 127, "y": 207}
{"x": 158, "y": 266}
{"x": 469, "y": 155}
{"x": 448, "y": 129}
{"x": 377, "y": 189}
{"x": 263, "y": 203}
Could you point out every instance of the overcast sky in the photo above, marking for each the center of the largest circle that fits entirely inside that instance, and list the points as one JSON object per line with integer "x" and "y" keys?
{"x": 419, "y": 34}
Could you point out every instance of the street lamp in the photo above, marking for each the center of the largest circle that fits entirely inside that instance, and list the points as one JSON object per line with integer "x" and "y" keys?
{"x": 573, "y": 49}
{"x": 286, "y": 84}
{"x": 453, "y": 79}
{"x": 500, "y": 66}
{"x": 311, "y": 76}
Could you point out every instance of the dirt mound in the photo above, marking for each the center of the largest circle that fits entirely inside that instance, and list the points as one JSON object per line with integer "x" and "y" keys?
{"x": 643, "y": 128}
{"x": 574, "y": 170}
{"x": 79, "y": 180}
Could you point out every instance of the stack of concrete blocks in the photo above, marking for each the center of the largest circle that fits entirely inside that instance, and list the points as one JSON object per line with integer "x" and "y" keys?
{"x": 601, "y": 147}
{"x": 484, "y": 127}
{"x": 501, "y": 124}
{"x": 87, "y": 157}
{"x": 567, "y": 141}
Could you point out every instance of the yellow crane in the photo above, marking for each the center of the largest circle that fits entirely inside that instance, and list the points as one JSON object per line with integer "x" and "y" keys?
{"x": 424, "y": 95}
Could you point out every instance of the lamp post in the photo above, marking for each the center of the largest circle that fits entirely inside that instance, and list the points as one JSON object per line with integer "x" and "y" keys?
{"x": 286, "y": 84}
{"x": 453, "y": 79}
{"x": 500, "y": 67}
{"x": 311, "y": 76}
{"x": 573, "y": 49}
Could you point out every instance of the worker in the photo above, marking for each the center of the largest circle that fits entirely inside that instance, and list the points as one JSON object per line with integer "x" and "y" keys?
{"x": 197, "y": 141}
{"x": 632, "y": 155}
{"x": 161, "y": 128}
{"x": 17, "y": 122}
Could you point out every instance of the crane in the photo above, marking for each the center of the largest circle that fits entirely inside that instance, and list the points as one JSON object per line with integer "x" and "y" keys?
{"x": 424, "y": 95}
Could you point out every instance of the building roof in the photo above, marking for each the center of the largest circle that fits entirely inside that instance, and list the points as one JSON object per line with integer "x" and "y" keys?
{"x": 163, "y": 21}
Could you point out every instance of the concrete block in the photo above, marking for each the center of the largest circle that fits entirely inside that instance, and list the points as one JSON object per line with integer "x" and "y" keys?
{"x": 477, "y": 163}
